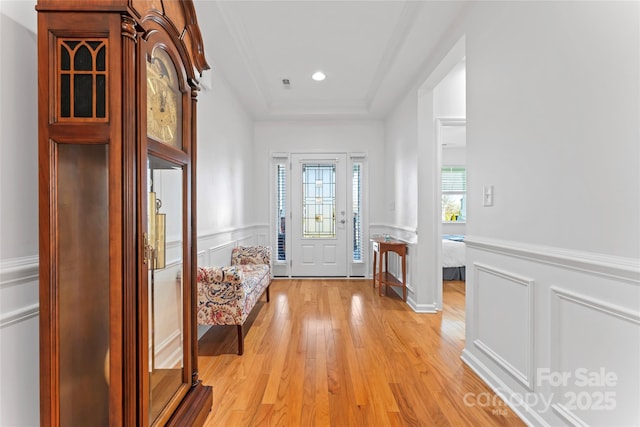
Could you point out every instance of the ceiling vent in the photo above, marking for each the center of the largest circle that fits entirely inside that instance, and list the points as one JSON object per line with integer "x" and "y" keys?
{"x": 286, "y": 84}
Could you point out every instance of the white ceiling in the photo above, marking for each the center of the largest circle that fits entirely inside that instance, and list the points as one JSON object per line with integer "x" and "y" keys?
{"x": 370, "y": 50}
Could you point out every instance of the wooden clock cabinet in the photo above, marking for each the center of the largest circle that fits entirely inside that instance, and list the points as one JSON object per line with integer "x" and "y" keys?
{"x": 117, "y": 91}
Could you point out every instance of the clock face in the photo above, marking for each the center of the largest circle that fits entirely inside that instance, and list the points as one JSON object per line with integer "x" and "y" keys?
{"x": 163, "y": 100}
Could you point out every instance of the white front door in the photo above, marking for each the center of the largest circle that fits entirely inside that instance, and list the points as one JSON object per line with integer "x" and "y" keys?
{"x": 319, "y": 215}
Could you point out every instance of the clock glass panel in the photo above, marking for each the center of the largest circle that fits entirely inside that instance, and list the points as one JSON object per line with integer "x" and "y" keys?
{"x": 164, "y": 100}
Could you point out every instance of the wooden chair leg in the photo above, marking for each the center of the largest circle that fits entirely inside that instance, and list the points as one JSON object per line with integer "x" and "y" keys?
{"x": 240, "y": 341}
{"x": 268, "y": 292}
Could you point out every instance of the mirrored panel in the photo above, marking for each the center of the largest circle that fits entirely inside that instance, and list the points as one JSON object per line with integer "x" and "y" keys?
{"x": 165, "y": 263}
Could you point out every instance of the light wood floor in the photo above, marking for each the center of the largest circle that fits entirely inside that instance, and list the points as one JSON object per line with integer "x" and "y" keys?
{"x": 334, "y": 353}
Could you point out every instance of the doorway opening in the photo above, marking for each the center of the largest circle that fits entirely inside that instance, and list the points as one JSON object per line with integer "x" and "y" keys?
{"x": 450, "y": 110}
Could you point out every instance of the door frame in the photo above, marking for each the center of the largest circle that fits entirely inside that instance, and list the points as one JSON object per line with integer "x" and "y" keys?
{"x": 356, "y": 269}
{"x": 428, "y": 292}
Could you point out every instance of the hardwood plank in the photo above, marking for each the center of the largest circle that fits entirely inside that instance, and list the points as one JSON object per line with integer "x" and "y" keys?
{"x": 322, "y": 417}
{"x": 334, "y": 353}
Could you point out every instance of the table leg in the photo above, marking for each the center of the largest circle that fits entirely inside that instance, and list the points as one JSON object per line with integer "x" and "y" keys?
{"x": 382, "y": 255}
{"x": 404, "y": 278}
{"x": 386, "y": 269}
{"x": 375, "y": 253}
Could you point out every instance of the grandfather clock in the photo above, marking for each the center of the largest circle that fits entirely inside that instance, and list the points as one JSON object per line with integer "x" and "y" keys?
{"x": 117, "y": 86}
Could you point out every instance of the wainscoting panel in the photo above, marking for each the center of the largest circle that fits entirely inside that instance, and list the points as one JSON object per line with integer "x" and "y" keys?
{"x": 202, "y": 258}
{"x": 169, "y": 351}
{"x": 19, "y": 326}
{"x": 581, "y": 359}
{"x": 167, "y": 314}
{"x": 262, "y": 239}
{"x": 246, "y": 241}
{"x": 220, "y": 255}
{"x": 555, "y": 332}
{"x": 218, "y": 245}
{"x": 503, "y": 320}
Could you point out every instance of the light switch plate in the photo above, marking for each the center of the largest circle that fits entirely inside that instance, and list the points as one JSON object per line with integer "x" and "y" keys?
{"x": 487, "y": 195}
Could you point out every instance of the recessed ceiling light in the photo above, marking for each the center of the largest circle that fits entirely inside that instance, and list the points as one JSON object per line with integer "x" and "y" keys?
{"x": 318, "y": 76}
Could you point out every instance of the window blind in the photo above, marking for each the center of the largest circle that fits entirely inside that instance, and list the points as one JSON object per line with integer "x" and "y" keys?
{"x": 454, "y": 180}
{"x": 281, "y": 194}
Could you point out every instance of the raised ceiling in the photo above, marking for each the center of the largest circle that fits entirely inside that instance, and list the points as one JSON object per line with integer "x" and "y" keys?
{"x": 370, "y": 51}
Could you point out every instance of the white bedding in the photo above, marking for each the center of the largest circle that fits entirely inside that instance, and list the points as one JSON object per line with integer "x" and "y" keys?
{"x": 453, "y": 253}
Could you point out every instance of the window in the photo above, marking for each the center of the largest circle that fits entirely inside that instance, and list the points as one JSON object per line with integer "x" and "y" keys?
{"x": 454, "y": 194}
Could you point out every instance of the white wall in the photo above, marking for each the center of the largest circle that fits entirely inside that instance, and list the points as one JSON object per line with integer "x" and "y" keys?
{"x": 19, "y": 345}
{"x": 552, "y": 121}
{"x": 225, "y": 160}
{"x": 401, "y": 165}
{"x": 553, "y": 270}
{"x": 455, "y": 156}
{"x": 450, "y": 98}
{"x": 19, "y": 132}
{"x": 553, "y": 124}
{"x": 401, "y": 191}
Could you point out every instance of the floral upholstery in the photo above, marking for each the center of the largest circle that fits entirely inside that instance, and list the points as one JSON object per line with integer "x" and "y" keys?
{"x": 226, "y": 295}
{"x": 244, "y": 255}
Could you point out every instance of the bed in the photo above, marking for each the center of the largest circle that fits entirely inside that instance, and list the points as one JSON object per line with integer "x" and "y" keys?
{"x": 453, "y": 257}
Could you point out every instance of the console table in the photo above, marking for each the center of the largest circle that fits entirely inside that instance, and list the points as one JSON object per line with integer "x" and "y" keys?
{"x": 383, "y": 246}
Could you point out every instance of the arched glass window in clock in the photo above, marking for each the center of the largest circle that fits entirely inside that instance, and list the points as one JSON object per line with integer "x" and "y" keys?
{"x": 164, "y": 100}
{"x": 82, "y": 79}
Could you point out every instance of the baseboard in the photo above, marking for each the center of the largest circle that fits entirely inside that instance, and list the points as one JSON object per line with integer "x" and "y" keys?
{"x": 510, "y": 397}
{"x": 421, "y": 308}
{"x": 169, "y": 351}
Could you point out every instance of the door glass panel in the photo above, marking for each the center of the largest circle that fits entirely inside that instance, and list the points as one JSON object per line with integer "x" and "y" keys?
{"x": 82, "y": 189}
{"x": 356, "y": 194}
{"x": 165, "y": 262}
{"x": 319, "y": 201}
